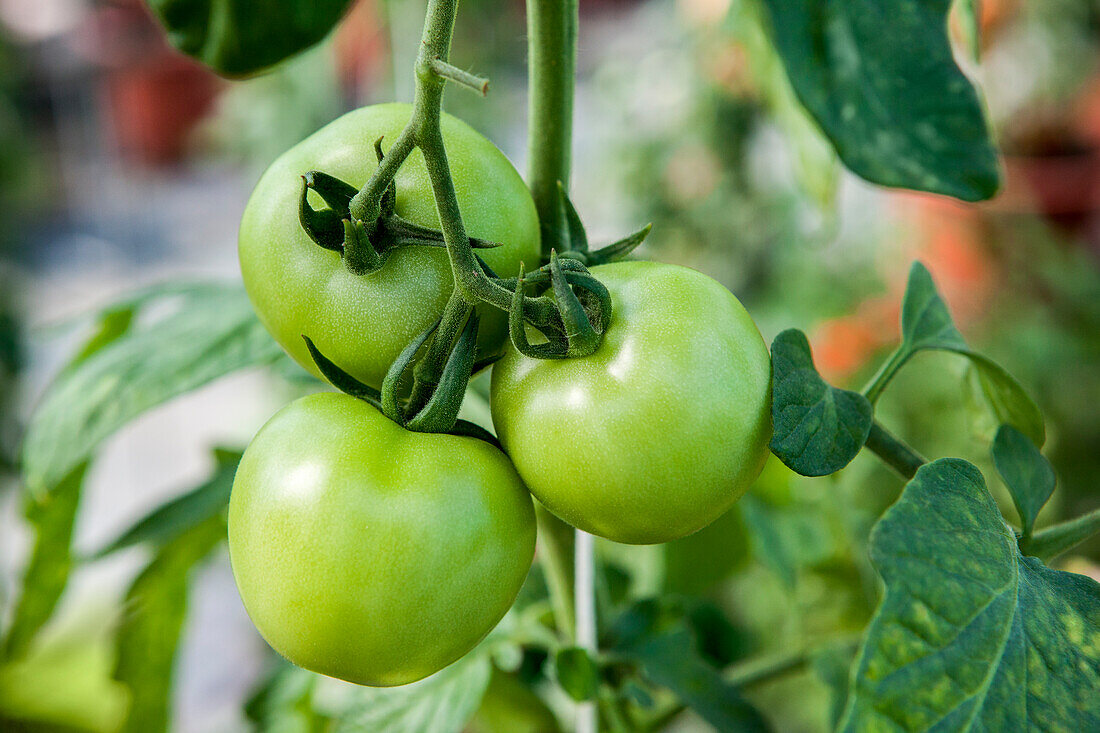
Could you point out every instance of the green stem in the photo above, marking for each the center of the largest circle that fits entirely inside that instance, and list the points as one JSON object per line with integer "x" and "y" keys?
{"x": 556, "y": 557}
{"x": 754, "y": 671}
{"x": 1048, "y": 543}
{"x": 474, "y": 83}
{"x": 366, "y": 205}
{"x": 886, "y": 372}
{"x": 760, "y": 670}
{"x": 894, "y": 452}
{"x": 552, "y": 59}
{"x": 430, "y": 368}
{"x": 551, "y": 67}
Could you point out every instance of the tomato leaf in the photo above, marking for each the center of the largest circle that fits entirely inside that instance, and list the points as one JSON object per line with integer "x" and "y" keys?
{"x": 769, "y": 542}
{"x": 1027, "y": 474}
{"x": 789, "y": 539}
{"x": 1006, "y": 399}
{"x": 926, "y": 324}
{"x": 52, "y": 513}
{"x": 211, "y": 332}
{"x": 971, "y": 635}
{"x": 284, "y": 702}
{"x": 831, "y": 664}
{"x": 880, "y": 78}
{"x": 442, "y": 703}
{"x": 148, "y": 636}
{"x": 240, "y": 37}
{"x": 47, "y": 572}
{"x": 577, "y": 673}
{"x": 819, "y": 429}
{"x": 662, "y": 641}
{"x": 174, "y": 517}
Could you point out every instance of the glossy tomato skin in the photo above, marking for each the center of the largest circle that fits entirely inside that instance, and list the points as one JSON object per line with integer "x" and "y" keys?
{"x": 373, "y": 554}
{"x": 363, "y": 322}
{"x": 661, "y": 430}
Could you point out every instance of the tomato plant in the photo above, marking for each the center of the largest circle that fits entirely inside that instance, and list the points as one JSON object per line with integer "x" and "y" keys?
{"x": 363, "y": 323}
{"x": 370, "y": 553}
{"x": 659, "y": 431}
{"x": 378, "y": 537}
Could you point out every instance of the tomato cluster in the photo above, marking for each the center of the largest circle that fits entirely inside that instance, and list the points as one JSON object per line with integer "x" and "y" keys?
{"x": 379, "y": 555}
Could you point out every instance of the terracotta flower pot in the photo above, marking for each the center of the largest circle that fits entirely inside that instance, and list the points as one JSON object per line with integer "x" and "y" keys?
{"x": 155, "y": 106}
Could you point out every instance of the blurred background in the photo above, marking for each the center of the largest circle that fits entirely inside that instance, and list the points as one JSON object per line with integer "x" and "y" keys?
{"x": 124, "y": 164}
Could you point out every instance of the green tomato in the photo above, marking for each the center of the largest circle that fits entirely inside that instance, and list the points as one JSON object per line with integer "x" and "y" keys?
{"x": 509, "y": 706}
{"x": 363, "y": 322}
{"x": 658, "y": 432}
{"x": 370, "y": 553}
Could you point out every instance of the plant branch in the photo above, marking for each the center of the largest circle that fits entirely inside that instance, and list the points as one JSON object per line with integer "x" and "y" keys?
{"x": 894, "y": 452}
{"x": 760, "y": 670}
{"x": 886, "y": 372}
{"x": 1048, "y": 543}
{"x": 476, "y": 84}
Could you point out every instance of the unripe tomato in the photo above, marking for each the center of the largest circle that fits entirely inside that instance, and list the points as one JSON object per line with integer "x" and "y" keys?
{"x": 370, "y": 553}
{"x": 658, "y": 432}
{"x": 363, "y": 322}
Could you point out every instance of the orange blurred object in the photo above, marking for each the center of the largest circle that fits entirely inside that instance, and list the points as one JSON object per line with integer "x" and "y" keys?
{"x": 362, "y": 55}
{"x": 156, "y": 105}
{"x": 154, "y": 95}
{"x": 949, "y": 238}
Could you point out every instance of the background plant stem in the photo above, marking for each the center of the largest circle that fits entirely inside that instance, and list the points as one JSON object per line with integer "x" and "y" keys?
{"x": 556, "y": 558}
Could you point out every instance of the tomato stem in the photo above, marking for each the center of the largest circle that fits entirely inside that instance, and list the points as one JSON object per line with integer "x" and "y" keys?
{"x": 886, "y": 372}
{"x": 552, "y": 59}
{"x": 476, "y": 84}
{"x": 893, "y": 451}
{"x": 574, "y": 319}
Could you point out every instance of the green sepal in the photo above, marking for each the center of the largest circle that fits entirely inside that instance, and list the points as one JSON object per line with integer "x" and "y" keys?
{"x": 578, "y": 237}
{"x": 517, "y": 329}
{"x": 574, "y": 244}
{"x": 391, "y": 406}
{"x": 389, "y": 196}
{"x": 620, "y": 249}
{"x": 594, "y": 296}
{"x": 441, "y": 411}
{"x": 324, "y": 227}
{"x": 360, "y": 256}
{"x": 334, "y": 192}
{"x": 581, "y": 336}
{"x": 473, "y": 430}
{"x": 485, "y": 362}
{"x": 340, "y": 379}
{"x": 401, "y": 232}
